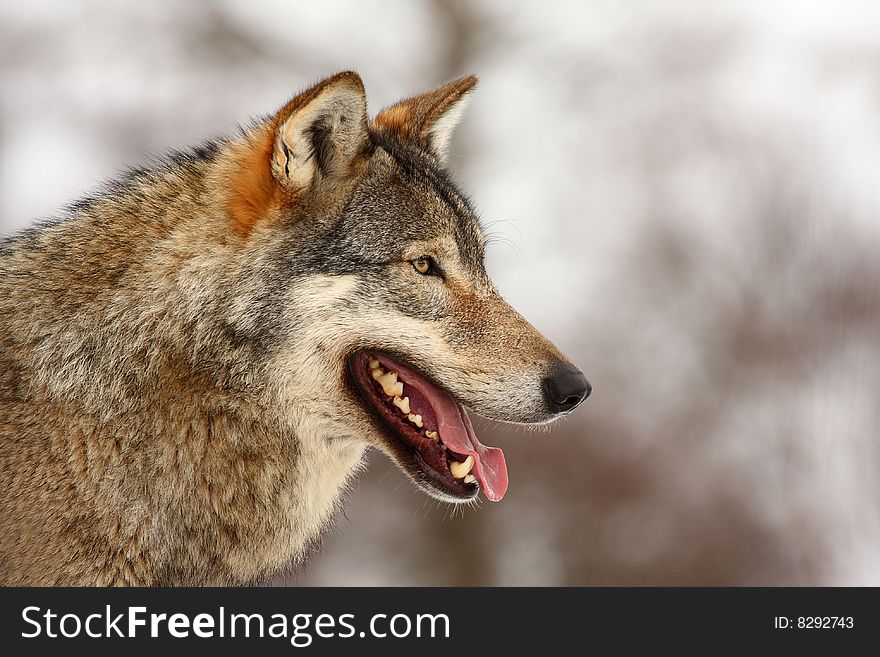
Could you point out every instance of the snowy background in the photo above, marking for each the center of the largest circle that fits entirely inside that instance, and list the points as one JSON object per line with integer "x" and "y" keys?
{"x": 685, "y": 197}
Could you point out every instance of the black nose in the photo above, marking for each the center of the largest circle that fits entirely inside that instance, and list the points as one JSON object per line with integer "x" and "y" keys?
{"x": 565, "y": 388}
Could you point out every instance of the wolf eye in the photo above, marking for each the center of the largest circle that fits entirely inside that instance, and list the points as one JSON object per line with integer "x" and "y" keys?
{"x": 424, "y": 265}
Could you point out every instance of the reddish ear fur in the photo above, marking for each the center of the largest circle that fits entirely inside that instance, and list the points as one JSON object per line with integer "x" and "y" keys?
{"x": 416, "y": 119}
{"x": 253, "y": 192}
{"x": 258, "y": 187}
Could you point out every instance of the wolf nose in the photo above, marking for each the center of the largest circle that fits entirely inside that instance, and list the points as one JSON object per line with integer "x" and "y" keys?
{"x": 565, "y": 388}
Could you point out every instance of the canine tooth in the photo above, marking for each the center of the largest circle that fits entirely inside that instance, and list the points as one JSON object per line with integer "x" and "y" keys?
{"x": 469, "y": 479}
{"x": 416, "y": 420}
{"x": 377, "y": 373}
{"x": 373, "y": 363}
{"x": 432, "y": 435}
{"x": 388, "y": 381}
{"x": 460, "y": 469}
{"x": 402, "y": 404}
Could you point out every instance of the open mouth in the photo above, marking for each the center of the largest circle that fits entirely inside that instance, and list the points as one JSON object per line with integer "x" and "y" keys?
{"x": 429, "y": 430}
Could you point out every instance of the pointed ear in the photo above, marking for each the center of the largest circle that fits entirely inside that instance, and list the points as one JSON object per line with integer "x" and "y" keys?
{"x": 429, "y": 119}
{"x": 321, "y": 134}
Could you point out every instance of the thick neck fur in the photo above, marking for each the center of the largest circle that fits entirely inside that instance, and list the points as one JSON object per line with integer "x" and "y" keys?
{"x": 136, "y": 420}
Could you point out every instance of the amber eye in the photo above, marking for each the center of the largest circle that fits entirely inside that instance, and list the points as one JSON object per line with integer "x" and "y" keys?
{"x": 423, "y": 264}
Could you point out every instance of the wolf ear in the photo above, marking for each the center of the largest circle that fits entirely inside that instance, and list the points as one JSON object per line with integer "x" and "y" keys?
{"x": 321, "y": 133}
{"x": 429, "y": 119}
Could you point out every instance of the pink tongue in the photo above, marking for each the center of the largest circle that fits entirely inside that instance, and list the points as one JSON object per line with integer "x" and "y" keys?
{"x": 457, "y": 433}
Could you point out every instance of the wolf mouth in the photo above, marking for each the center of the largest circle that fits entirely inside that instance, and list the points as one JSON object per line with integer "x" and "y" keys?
{"x": 429, "y": 430}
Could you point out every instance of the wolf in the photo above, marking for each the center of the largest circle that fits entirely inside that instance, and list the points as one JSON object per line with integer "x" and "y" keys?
{"x": 194, "y": 359}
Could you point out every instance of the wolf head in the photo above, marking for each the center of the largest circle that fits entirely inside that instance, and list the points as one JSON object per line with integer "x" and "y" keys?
{"x": 367, "y": 291}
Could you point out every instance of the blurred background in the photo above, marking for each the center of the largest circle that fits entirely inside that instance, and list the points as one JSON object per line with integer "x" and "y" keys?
{"x": 684, "y": 197}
